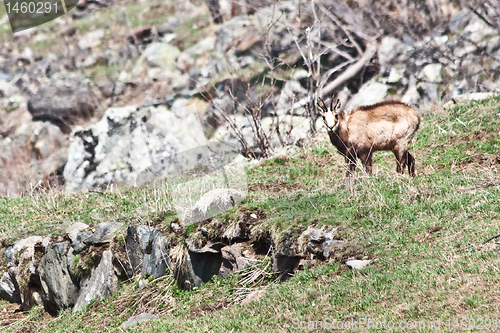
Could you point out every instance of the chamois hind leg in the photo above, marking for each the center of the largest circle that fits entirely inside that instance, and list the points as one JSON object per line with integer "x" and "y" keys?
{"x": 400, "y": 159}
{"x": 410, "y": 160}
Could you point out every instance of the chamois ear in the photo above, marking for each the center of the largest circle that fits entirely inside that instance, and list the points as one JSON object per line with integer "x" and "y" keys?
{"x": 322, "y": 105}
{"x": 337, "y": 105}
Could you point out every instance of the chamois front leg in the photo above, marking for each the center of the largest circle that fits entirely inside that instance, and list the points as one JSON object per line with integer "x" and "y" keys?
{"x": 366, "y": 159}
{"x": 351, "y": 163}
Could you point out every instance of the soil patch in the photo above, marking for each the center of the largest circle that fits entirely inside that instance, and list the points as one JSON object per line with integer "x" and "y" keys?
{"x": 10, "y": 313}
{"x": 206, "y": 308}
{"x": 318, "y": 160}
{"x": 274, "y": 186}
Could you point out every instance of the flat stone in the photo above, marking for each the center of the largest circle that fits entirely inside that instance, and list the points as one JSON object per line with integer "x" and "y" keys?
{"x": 132, "y": 321}
{"x": 73, "y": 230}
{"x": 23, "y": 249}
{"x": 104, "y": 233}
{"x": 78, "y": 244}
{"x": 357, "y": 264}
{"x": 26, "y": 242}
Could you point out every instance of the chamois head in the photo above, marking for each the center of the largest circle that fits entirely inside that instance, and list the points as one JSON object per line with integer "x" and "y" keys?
{"x": 330, "y": 117}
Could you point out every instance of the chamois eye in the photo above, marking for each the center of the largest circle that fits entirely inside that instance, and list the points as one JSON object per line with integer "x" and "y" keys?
{"x": 336, "y": 116}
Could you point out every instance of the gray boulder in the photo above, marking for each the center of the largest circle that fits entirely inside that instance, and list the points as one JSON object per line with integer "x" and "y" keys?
{"x": 318, "y": 242}
{"x": 234, "y": 259}
{"x": 7, "y": 89}
{"x": 91, "y": 39}
{"x": 137, "y": 243}
{"x": 196, "y": 55}
{"x": 156, "y": 259}
{"x": 101, "y": 284}
{"x": 431, "y": 74}
{"x": 198, "y": 268}
{"x": 169, "y": 26}
{"x": 369, "y": 93}
{"x": 460, "y": 20}
{"x": 46, "y": 138}
{"x": 479, "y": 32}
{"x": 389, "y": 49}
{"x": 215, "y": 202}
{"x": 9, "y": 288}
{"x": 63, "y": 103}
{"x": 158, "y": 62}
{"x": 330, "y": 246}
{"x": 285, "y": 259}
{"x": 58, "y": 289}
{"x": 147, "y": 250}
{"x": 128, "y": 141}
{"x": 24, "y": 249}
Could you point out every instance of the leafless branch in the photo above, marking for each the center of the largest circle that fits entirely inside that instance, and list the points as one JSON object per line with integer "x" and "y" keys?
{"x": 370, "y": 51}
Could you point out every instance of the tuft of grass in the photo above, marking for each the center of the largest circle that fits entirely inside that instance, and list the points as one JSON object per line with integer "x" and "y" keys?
{"x": 81, "y": 266}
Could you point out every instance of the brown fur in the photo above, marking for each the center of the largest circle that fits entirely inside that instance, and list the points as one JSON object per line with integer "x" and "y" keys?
{"x": 372, "y": 106}
{"x": 385, "y": 126}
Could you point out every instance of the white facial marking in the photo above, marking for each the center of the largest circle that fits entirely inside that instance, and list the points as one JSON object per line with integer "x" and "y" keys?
{"x": 330, "y": 120}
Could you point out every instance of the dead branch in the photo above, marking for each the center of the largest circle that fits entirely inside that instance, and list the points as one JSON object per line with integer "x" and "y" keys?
{"x": 331, "y": 71}
{"x": 350, "y": 72}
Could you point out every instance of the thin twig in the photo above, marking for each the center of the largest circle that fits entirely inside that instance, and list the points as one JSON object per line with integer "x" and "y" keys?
{"x": 465, "y": 248}
{"x": 490, "y": 239}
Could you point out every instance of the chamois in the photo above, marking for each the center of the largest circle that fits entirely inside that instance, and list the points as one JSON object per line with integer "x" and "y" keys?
{"x": 388, "y": 126}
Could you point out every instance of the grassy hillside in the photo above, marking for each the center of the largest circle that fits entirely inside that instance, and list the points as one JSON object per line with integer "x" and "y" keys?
{"x": 417, "y": 231}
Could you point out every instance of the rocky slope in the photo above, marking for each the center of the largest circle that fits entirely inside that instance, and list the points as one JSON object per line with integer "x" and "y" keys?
{"x": 77, "y": 92}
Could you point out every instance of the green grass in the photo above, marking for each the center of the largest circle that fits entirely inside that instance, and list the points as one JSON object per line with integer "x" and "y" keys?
{"x": 414, "y": 229}
{"x": 50, "y": 213}
{"x": 191, "y": 31}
